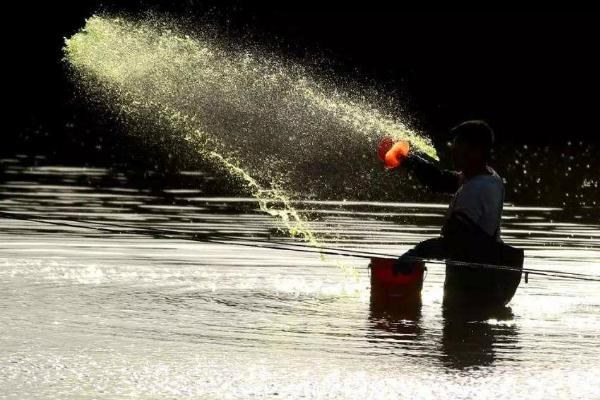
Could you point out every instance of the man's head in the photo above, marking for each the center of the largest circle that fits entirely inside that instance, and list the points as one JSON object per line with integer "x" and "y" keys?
{"x": 473, "y": 141}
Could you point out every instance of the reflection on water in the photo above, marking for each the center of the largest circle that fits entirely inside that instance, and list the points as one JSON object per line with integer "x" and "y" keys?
{"x": 470, "y": 337}
{"x": 399, "y": 323}
{"x": 146, "y": 306}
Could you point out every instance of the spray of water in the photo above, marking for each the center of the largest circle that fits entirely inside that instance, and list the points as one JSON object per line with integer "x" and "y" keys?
{"x": 264, "y": 121}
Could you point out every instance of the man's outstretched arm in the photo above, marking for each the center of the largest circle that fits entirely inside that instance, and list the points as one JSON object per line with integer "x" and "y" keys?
{"x": 430, "y": 175}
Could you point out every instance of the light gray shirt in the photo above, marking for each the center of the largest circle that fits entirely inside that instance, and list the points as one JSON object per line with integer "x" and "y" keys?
{"x": 481, "y": 198}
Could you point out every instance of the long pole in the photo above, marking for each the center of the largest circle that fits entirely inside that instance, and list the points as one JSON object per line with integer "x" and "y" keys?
{"x": 297, "y": 247}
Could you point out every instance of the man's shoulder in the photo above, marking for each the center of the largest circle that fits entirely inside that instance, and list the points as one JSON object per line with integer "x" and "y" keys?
{"x": 489, "y": 185}
{"x": 491, "y": 179}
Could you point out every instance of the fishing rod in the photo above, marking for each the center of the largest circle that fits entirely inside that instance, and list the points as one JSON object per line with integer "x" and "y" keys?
{"x": 304, "y": 248}
{"x": 298, "y": 247}
{"x": 370, "y": 255}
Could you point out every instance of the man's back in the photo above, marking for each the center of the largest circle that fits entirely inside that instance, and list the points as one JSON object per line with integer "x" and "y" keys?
{"x": 481, "y": 199}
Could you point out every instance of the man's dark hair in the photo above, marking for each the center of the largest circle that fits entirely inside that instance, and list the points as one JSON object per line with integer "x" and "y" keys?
{"x": 475, "y": 133}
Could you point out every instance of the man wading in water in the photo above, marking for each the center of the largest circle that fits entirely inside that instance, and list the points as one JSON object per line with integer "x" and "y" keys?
{"x": 471, "y": 232}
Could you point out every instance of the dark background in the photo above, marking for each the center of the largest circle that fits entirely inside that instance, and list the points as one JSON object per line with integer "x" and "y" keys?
{"x": 533, "y": 76}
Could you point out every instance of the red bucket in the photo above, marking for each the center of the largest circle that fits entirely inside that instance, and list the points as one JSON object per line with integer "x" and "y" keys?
{"x": 398, "y": 282}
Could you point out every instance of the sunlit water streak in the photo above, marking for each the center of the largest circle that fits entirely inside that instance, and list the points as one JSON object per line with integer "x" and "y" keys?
{"x": 88, "y": 314}
{"x": 267, "y": 123}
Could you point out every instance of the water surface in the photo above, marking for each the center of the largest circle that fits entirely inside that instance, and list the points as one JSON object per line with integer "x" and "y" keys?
{"x": 146, "y": 306}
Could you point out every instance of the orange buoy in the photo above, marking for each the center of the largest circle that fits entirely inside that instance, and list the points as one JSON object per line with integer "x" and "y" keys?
{"x": 397, "y": 154}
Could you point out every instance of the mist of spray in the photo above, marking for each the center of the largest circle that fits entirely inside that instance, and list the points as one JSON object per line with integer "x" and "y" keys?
{"x": 282, "y": 132}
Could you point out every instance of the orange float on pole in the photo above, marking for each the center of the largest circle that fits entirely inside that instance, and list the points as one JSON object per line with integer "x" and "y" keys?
{"x": 392, "y": 154}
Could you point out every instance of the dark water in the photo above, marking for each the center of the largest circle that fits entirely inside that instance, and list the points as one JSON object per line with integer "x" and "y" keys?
{"x": 146, "y": 307}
